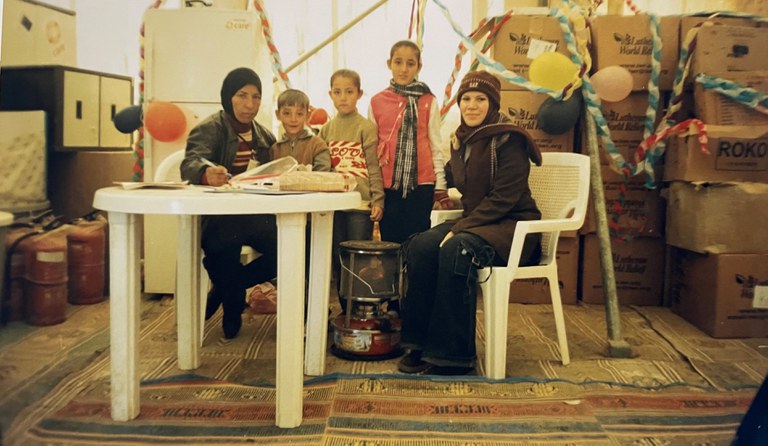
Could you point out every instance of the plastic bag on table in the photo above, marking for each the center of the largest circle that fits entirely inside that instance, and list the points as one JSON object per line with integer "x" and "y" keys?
{"x": 317, "y": 181}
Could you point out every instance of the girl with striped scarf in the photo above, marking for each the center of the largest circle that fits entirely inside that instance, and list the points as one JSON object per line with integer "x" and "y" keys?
{"x": 409, "y": 147}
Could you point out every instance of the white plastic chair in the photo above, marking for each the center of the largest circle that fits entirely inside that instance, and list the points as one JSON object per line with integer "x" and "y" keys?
{"x": 560, "y": 187}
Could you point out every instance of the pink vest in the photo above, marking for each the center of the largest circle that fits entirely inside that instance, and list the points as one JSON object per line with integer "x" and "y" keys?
{"x": 388, "y": 109}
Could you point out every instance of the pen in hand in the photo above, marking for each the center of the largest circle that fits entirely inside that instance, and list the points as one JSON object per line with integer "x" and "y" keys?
{"x": 212, "y": 164}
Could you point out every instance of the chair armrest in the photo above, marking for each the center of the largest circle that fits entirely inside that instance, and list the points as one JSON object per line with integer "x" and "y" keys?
{"x": 524, "y": 228}
{"x": 557, "y": 224}
{"x": 440, "y": 216}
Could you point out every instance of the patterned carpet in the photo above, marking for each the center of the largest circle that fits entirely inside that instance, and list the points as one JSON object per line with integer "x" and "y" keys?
{"x": 681, "y": 387}
{"x": 389, "y": 411}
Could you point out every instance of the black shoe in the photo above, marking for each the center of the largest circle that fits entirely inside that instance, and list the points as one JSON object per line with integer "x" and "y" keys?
{"x": 233, "y": 305}
{"x": 231, "y": 324}
{"x": 412, "y": 363}
{"x": 212, "y": 303}
{"x": 448, "y": 370}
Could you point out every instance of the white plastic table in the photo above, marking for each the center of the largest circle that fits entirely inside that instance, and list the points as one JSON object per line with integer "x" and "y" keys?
{"x": 125, "y": 212}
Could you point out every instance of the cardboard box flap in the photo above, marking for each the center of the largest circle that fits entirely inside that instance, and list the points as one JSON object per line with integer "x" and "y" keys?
{"x": 738, "y": 131}
{"x": 715, "y": 108}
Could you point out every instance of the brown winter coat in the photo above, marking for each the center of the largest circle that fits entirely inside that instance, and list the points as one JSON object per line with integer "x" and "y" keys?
{"x": 491, "y": 171}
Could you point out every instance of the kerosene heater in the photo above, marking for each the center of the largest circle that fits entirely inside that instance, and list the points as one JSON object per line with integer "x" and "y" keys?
{"x": 371, "y": 279}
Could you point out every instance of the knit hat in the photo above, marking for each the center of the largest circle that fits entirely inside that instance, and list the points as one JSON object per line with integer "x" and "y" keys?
{"x": 481, "y": 81}
{"x": 235, "y": 80}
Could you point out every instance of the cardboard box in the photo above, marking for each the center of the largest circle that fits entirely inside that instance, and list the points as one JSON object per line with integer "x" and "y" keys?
{"x": 725, "y": 295}
{"x": 522, "y": 108}
{"x": 626, "y": 122}
{"x": 536, "y": 291}
{"x": 717, "y": 109}
{"x": 75, "y": 177}
{"x": 627, "y": 41}
{"x": 718, "y": 218}
{"x": 737, "y": 153}
{"x": 721, "y": 50}
{"x": 638, "y": 269}
{"x": 37, "y": 34}
{"x": 519, "y": 36}
{"x": 688, "y": 22}
{"x": 642, "y": 209}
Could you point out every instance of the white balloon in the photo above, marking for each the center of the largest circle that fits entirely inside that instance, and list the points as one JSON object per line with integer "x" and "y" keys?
{"x": 612, "y": 83}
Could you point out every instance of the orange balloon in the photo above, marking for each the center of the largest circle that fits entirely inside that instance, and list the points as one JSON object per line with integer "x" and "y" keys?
{"x": 318, "y": 116}
{"x": 165, "y": 121}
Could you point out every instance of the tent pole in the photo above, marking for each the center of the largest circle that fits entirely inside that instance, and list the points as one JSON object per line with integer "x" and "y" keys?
{"x": 617, "y": 347}
{"x": 333, "y": 36}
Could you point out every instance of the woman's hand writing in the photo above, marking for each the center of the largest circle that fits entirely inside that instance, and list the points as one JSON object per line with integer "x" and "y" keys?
{"x": 216, "y": 176}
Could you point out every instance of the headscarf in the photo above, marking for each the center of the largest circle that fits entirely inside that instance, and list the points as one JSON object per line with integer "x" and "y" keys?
{"x": 233, "y": 82}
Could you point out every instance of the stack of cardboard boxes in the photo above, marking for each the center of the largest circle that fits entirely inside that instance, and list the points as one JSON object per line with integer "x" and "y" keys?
{"x": 718, "y": 203}
{"x": 706, "y": 239}
{"x": 638, "y": 257}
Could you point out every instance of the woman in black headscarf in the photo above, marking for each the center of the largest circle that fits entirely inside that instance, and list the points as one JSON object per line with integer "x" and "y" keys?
{"x": 490, "y": 163}
{"x": 230, "y": 139}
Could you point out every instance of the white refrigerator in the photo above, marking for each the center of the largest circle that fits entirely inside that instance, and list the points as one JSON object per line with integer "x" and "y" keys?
{"x": 187, "y": 54}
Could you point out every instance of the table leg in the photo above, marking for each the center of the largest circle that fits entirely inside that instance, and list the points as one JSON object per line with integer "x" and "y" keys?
{"x": 319, "y": 287}
{"x": 125, "y": 289}
{"x": 188, "y": 305}
{"x": 289, "y": 382}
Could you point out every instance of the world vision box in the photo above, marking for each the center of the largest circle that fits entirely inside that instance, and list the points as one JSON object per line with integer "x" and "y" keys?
{"x": 521, "y": 39}
{"x": 725, "y": 295}
{"x": 717, "y": 109}
{"x": 638, "y": 266}
{"x": 522, "y": 108}
{"x": 737, "y": 153}
{"x": 717, "y": 218}
{"x": 536, "y": 291}
{"x": 721, "y": 50}
{"x": 627, "y": 41}
{"x": 643, "y": 209}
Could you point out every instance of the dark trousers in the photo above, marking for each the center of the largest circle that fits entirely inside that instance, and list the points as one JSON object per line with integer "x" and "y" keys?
{"x": 222, "y": 240}
{"x": 404, "y": 217}
{"x": 438, "y": 311}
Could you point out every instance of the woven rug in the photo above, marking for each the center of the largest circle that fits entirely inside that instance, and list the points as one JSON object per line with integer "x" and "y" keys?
{"x": 390, "y": 411}
{"x": 64, "y": 370}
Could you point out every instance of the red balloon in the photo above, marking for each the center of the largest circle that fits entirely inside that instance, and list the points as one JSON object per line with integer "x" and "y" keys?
{"x": 165, "y": 121}
{"x": 318, "y": 116}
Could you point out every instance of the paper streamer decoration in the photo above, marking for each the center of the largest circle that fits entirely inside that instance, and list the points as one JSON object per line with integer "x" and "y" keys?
{"x": 742, "y": 94}
{"x": 494, "y": 26}
{"x": 266, "y": 30}
{"x": 138, "y": 147}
